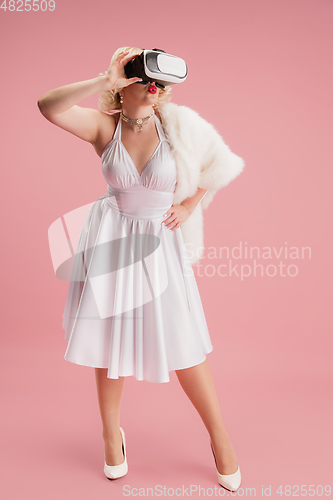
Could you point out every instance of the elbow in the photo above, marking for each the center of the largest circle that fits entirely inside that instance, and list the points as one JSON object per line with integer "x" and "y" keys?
{"x": 40, "y": 105}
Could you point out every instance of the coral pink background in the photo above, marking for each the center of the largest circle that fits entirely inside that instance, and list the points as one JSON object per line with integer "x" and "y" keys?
{"x": 261, "y": 72}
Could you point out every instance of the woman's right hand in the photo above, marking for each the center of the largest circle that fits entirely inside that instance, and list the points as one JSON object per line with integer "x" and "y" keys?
{"x": 60, "y": 107}
{"x": 116, "y": 73}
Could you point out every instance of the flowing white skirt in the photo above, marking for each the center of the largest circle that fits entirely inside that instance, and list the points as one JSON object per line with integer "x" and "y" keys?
{"x": 133, "y": 305}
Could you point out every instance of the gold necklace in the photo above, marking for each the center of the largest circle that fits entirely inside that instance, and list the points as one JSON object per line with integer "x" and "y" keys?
{"x": 139, "y": 121}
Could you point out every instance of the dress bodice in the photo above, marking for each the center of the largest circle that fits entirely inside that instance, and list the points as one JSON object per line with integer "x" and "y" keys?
{"x": 119, "y": 171}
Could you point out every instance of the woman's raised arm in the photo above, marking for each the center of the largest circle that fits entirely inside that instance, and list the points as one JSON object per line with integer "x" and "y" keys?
{"x": 59, "y": 105}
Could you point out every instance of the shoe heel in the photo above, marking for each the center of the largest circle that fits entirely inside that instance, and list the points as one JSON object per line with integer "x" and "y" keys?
{"x": 230, "y": 482}
{"x": 116, "y": 471}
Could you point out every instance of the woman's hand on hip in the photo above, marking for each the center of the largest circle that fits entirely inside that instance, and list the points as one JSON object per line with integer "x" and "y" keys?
{"x": 175, "y": 216}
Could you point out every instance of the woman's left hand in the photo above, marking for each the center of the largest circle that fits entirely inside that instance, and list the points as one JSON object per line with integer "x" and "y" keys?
{"x": 177, "y": 215}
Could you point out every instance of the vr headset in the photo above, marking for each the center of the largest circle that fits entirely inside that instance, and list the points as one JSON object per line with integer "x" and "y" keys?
{"x": 157, "y": 66}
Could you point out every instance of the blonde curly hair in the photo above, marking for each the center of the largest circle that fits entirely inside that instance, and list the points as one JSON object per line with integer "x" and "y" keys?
{"x": 109, "y": 99}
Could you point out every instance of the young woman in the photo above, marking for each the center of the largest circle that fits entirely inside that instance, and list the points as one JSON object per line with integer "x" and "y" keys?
{"x": 133, "y": 306}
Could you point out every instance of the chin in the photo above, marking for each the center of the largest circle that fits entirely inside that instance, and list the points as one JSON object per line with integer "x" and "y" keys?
{"x": 152, "y": 101}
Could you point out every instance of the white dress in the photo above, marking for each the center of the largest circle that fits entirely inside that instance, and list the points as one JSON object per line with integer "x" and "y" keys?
{"x": 133, "y": 305}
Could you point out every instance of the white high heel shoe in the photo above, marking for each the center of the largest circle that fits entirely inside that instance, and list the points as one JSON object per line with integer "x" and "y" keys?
{"x": 115, "y": 471}
{"x": 230, "y": 482}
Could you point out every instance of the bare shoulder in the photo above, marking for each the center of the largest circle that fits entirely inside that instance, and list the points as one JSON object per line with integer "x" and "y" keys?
{"x": 106, "y": 128}
{"x": 91, "y": 125}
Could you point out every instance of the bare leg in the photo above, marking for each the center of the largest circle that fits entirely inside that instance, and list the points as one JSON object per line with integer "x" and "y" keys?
{"x": 197, "y": 382}
{"x": 109, "y": 392}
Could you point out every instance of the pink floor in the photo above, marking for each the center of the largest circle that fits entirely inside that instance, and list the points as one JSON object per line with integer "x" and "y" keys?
{"x": 277, "y": 412}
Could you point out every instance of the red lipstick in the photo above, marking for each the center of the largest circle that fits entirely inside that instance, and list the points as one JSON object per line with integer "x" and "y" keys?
{"x": 152, "y": 89}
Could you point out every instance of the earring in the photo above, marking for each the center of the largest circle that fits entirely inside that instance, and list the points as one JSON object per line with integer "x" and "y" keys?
{"x": 121, "y": 98}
